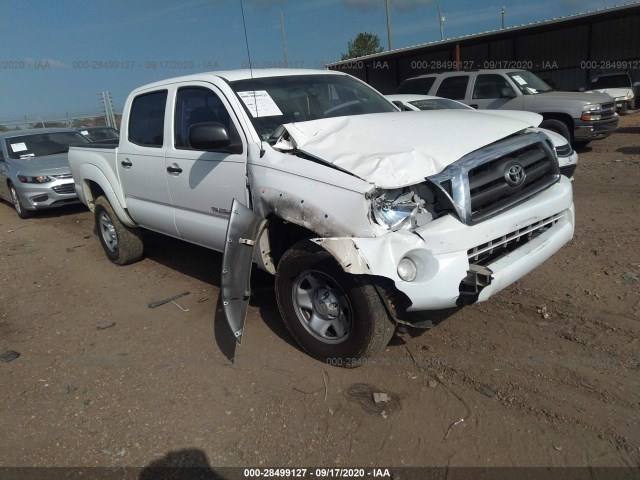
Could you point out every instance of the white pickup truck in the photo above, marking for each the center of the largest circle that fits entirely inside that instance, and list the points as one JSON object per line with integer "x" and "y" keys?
{"x": 368, "y": 217}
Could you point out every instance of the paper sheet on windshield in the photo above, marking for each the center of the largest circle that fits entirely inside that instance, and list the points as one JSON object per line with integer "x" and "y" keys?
{"x": 519, "y": 79}
{"x": 18, "y": 147}
{"x": 260, "y": 103}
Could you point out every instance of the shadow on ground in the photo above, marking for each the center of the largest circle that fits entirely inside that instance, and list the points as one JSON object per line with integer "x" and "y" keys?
{"x": 188, "y": 464}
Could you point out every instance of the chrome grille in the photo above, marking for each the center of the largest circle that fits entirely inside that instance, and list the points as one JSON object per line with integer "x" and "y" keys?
{"x": 608, "y": 110}
{"x": 62, "y": 177}
{"x": 489, "y": 184}
{"x": 490, "y": 252}
{"x": 65, "y": 189}
{"x": 480, "y": 185}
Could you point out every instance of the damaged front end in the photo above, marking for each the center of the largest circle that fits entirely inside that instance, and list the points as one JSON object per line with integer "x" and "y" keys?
{"x": 470, "y": 230}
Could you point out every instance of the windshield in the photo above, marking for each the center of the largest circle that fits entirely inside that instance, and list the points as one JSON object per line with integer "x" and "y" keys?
{"x": 529, "y": 83}
{"x": 41, "y": 144}
{"x": 609, "y": 81}
{"x": 439, "y": 104}
{"x": 274, "y": 101}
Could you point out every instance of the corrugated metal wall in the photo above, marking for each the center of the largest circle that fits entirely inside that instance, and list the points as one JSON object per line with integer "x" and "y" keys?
{"x": 566, "y": 53}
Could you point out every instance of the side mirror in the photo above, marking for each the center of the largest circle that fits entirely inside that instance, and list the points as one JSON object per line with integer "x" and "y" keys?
{"x": 636, "y": 84}
{"x": 507, "y": 92}
{"x": 208, "y": 136}
{"x": 581, "y": 89}
{"x": 400, "y": 105}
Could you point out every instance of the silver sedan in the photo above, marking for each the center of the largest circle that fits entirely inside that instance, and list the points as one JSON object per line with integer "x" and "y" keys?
{"x": 34, "y": 171}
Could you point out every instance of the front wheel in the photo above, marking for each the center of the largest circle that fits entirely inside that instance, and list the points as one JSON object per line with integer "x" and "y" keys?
{"x": 122, "y": 244}
{"x": 557, "y": 126}
{"x": 334, "y": 316}
{"x": 17, "y": 204}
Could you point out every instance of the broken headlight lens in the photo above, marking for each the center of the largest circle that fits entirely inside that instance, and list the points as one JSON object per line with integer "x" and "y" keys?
{"x": 396, "y": 209}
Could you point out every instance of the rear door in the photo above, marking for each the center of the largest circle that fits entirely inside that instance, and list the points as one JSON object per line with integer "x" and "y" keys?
{"x": 453, "y": 87}
{"x": 141, "y": 163}
{"x": 202, "y": 184}
{"x": 490, "y": 92}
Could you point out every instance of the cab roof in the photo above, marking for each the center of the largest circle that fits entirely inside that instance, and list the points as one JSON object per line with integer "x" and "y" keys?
{"x": 241, "y": 74}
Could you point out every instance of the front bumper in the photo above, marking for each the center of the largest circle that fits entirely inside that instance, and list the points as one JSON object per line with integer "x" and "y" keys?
{"x": 40, "y": 196}
{"x": 442, "y": 249}
{"x": 593, "y": 130}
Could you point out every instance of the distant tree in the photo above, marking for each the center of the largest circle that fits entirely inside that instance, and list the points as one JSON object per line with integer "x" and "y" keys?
{"x": 3, "y": 128}
{"x": 365, "y": 43}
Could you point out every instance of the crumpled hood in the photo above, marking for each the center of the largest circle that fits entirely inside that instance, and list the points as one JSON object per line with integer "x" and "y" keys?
{"x": 392, "y": 150}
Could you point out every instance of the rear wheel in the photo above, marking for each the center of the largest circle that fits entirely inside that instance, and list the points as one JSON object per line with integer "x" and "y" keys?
{"x": 122, "y": 244}
{"x": 557, "y": 126}
{"x": 17, "y": 204}
{"x": 334, "y": 316}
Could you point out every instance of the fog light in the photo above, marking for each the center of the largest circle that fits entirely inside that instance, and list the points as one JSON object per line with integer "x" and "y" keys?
{"x": 407, "y": 270}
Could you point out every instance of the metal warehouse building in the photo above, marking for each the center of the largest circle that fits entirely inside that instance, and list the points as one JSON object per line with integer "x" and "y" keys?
{"x": 565, "y": 51}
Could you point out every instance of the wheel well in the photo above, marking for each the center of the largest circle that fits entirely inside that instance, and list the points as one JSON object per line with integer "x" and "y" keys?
{"x": 563, "y": 117}
{"x": 283, "y": 235}
{"x": 96, "y": 191}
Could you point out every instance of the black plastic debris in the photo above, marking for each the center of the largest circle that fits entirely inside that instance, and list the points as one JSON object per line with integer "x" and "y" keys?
{"x": 8, "y": 356}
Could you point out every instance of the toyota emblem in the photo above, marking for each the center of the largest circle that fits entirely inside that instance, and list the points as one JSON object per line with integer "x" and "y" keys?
{"x": 514, "y": 174}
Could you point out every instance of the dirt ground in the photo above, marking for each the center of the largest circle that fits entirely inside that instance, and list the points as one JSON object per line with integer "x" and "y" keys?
{"x": 546, "y": 373}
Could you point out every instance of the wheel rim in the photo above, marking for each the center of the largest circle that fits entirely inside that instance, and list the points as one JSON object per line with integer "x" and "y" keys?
{"x": 16, "y": 200}
{"x": 108, "y": 231}
{"x": 322, "y": 307}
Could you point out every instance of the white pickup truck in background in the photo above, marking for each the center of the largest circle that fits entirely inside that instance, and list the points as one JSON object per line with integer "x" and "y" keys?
{"x": 367, "y": 216}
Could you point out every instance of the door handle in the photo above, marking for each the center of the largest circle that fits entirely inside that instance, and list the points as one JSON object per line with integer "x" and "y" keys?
{"x": 174, "y": 169}
{"x": 126, "y": 163}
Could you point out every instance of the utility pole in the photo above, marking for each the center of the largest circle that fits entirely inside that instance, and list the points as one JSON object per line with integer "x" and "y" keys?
{"x": 502, "y": 12}
{"x": 109, "y": 117}
{"x": 284, "y": 40}
{"x": 441, "y": 20}
{"x": 388, "y": 25}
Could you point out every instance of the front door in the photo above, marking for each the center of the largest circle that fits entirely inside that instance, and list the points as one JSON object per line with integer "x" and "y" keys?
{"x": 203, "y": 184}
{"x": 493, "y": 91}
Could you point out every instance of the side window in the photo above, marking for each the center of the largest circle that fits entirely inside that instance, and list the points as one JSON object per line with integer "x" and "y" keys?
{"x": 199, "y": 105}
{"x": 453, "y": 87}
{"x": 490, "y": 86}
{"x": 146, "y": 120}
{"x": 418, "y": 86}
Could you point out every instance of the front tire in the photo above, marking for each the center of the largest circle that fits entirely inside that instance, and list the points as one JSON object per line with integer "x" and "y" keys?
{"x": 122, "y": 245}
{"x": 557, "y": 126}
{"x": 334, "y": 316}
{"x": 17, "y": 204}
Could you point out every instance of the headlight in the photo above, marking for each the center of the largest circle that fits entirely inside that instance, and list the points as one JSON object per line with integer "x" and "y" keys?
{"x": 395, "y": 209}
{"x": 37, "y": 179}
{"x": 591, "y": 111}
{"x": 563, "y": 150}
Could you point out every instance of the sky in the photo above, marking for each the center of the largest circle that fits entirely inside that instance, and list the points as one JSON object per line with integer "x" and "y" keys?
{"x": 57, "y": 56}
